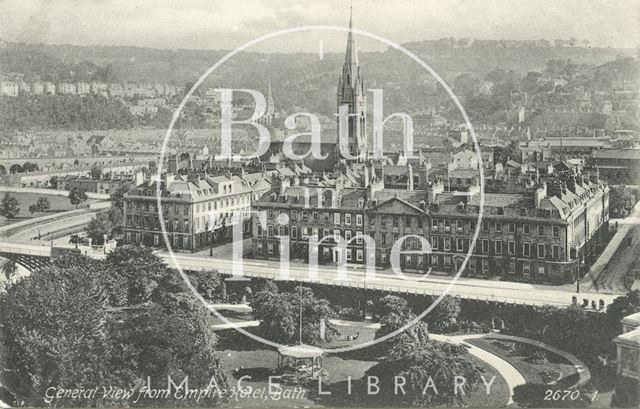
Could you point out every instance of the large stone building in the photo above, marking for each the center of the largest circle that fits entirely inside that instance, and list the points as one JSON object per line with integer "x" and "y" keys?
{"x": 541, "y": 235}
{"x": 617, "y": 166}
{"x": 562, "y": 148}
{"x": 334, "y": 213}
{"x": 198, "y": 210}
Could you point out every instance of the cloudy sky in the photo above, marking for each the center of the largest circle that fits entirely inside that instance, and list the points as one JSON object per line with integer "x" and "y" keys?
{"x": 225, "y": 24}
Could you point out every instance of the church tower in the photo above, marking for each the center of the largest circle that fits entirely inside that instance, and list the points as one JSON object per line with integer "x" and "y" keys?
{"x": 268, "y": 119}
{"x": 270, "y": 112}
{"x": 352, "y": 94}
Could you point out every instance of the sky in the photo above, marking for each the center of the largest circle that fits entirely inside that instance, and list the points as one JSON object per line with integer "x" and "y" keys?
{"x": 226, "y": 24}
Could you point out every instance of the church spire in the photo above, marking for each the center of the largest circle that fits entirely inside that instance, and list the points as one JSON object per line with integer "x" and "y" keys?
{"x": 351, "y": 93}
{"x": 270, "y": 109}
{"x": 351, "y": 64}
{"x": 270, "y": 103}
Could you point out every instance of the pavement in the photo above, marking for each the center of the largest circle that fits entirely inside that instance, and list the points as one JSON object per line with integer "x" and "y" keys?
{"x": 619, "y": 258}
{"x": 509, "y": 292}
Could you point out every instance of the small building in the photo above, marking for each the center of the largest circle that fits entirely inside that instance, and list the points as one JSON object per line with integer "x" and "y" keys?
{"x": 98, "y": 88}
{"x": 49, "y": 88}
{"x": 82, "y": 88}
{"x": 628, "y": 347}
{"x": 37, "y": 88}
{"x": 9, "y": 88}
{"x": 66, "y": 88}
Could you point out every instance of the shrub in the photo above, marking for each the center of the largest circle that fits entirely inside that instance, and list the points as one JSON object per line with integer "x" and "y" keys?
{"x": 538, "y": 357}
{"x": 550, "y": 377}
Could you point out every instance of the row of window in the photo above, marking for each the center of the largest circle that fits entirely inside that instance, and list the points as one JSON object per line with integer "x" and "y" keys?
{"x": 146, "y": 206}
{"x": 203, "y": 222}
{"x": 496, "y": 227}
{"x": 348, "y": 218}
{"x": 486, "y": 246}
{"x": 177, "y": 242}
{"x": 454, "y": 244}
{"x": 338, "y": 218}
{"x": 350, "y": 254}
{"x": 446, "y": 225}
{"x": 436, "y": 260}
{"x": 482, "y": 265}
{"x": 304, "y": 232}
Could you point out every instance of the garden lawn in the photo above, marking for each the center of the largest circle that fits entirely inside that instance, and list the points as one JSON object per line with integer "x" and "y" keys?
{"x": 519, "y": 355}
{"x": 245, "y": 356}
{"x": 58, "y": 204}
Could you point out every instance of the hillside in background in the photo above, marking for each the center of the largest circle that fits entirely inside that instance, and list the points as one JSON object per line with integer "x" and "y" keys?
{"x": 304, "y": 77}
{"x": 447, "y": 56}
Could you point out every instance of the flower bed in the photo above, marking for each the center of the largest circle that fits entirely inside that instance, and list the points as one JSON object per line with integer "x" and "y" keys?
{"x": 537, "y": 365}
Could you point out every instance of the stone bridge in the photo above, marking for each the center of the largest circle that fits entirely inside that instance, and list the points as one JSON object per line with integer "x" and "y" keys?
{"x": 36, "y": 254}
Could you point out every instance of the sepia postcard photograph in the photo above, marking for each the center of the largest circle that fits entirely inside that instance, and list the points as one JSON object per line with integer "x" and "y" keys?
{"x": 320, "y": 203}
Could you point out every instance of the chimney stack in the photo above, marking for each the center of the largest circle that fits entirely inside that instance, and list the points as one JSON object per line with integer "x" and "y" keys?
{"x": 571, "y": 183}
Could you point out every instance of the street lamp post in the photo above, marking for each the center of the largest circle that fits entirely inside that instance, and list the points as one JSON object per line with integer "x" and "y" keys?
{"x": 580, "y": 270}
{"x": 211, "y": 242}
{"x": 300, "y": 313}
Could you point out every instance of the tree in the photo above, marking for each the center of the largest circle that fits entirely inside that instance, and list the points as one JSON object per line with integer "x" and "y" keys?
{"x": 464, "y": 84}
{"x": 222, "y": 291}
{"x": 136, "y": 273}
{"x": 9, "y": 269}
{"x": 391, "y": 305}
{"x": 621, "y": 201}
{"x": 53, "y": 181}
{"x": 96, "y": 172}
{"x": 393, "y": 312}
{"x": 98, "y": 228}
{"x": 422, "y": 361}
{"x": 116, "y": 218}
{"x": 59, "y": 325}
{"x": 622, "y": 306}
{"x": 30, "y": 167}
{"x": 530, "y": 395}
{"x": 77, "y": 195}
{"x": 464, "y": 42}
{"x": 205, "y": 282}
{"x": 42, "y": 204}
{"x": 270, "y": 286}
{"x": 117, "y": 197}
{"x": 279, "y": 315}
{"x": 173, "y": 337}
{"x": 502, "y": 154}
{"x": 445, "y": 314}
{"x": 53, "y": 334}
{"x": 9, "y": 207}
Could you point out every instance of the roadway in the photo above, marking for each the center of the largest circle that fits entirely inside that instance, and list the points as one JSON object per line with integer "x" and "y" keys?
{"x": 501, "y": 291}
{"x": 613, "y": 271}
{"x": 53, "y": 229}
{"x": 509, "y": 292}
